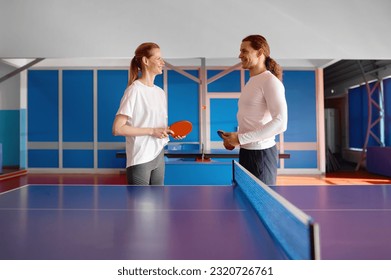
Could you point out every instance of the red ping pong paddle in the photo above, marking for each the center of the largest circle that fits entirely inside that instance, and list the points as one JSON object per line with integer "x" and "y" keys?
{"x": 181, "y": 128}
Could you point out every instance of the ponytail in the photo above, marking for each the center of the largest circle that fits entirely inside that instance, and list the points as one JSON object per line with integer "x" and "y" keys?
{"x": 273, "y": 67}
{"x": 133, "y": 70}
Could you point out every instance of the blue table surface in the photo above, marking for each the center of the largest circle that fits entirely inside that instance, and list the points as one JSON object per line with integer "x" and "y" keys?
{"x": 185, "y": 222}
{"x": 128, "y": 222}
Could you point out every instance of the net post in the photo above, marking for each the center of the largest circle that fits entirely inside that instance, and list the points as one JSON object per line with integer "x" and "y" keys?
{"x": 233, "y": 173}
{"x": 315, "y": 241}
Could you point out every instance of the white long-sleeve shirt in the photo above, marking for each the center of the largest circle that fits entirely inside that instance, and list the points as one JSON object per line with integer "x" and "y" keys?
{"x": 262, "y": 112}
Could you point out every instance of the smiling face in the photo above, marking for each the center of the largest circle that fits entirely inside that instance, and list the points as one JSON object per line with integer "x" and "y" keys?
{"x": 249, "y": 57}
{"x": 155, "y": 63}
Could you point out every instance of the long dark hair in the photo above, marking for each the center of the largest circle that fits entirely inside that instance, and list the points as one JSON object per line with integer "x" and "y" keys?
{"x": 259, "y": 42}
{"x": 145, "y": 49}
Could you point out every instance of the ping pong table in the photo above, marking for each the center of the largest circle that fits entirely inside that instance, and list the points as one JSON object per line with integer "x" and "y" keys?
{"x": 133, "y": 222}
{"x": 123, "y": 222}
{"x": 354, "y": 220}
{"x": 185, "y": 222}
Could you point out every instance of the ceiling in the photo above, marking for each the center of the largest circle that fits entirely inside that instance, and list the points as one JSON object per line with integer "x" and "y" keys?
{"x": 342, "y": 75}
{"x": 301, "y": 33}
{"x": 334, "y": 35}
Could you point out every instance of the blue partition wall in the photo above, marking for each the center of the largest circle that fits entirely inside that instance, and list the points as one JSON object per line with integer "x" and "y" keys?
{"x": 300, "y": 94}
{"x": 223, "y": 110}
{"x": 223, "y": 116}
{"x": 183, "y": 102}
{"x": 301, "y": 98}
{"x": 111, "y": 87}
{"x": 43, "y": 130}
{"x": 70, "y": 113}
{"x": 228, "y": 83}
{"x": 78, "y": 134}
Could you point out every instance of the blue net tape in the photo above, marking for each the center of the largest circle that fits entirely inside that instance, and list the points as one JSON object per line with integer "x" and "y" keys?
{"x": 290, "y": 226}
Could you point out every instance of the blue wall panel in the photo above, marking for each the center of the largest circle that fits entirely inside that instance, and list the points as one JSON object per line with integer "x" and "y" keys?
{"x": 246, "y": 76}
{"x": 387, "y": 111}
{"x": 43, "y": 158}
{"x": 302, "y": 159}
{"x": 223, "y": 116}
{"x": 111, "y": 87}
{"x": 42, "y": 106}
{"x": 183, "y": 103}
{"x": 227, "y": 83}
{"x": 356, "y": 118}
{"x": 9, "y": 136}
{"x": 300, "y": 94}
{"x": 108, "y": 159}
{"x": 78, "y": 112}
{"x": 78, "y": 158}
{"x": 159, "y": 81}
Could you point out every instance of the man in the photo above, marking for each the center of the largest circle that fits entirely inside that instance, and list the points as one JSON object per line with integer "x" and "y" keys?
{"x": 262, "y": 111}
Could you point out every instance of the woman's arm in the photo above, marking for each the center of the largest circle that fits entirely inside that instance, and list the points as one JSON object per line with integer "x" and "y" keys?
{"x": 121, "y": 128}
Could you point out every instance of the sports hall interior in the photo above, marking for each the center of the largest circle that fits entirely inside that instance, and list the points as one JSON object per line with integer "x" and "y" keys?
{"x": 62, "y": 80}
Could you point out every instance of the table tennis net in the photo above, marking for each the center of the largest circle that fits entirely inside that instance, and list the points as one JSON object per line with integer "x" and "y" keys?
{"x": 294, "y": 230}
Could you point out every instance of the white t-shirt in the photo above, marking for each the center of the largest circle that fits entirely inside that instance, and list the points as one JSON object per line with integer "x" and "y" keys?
{"x": 144, "y": 106}
{"x": 262, "y": 112}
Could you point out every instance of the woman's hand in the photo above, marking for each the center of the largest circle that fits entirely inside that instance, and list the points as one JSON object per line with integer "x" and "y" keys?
{"x": 161, "y": 132}
{"x": 178, "y": 137}
{"x": 165, "y": 132}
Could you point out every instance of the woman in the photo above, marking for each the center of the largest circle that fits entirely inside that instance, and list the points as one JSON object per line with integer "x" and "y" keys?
{"x": 142, "y": 118}
{"x": 262, "y": 111}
